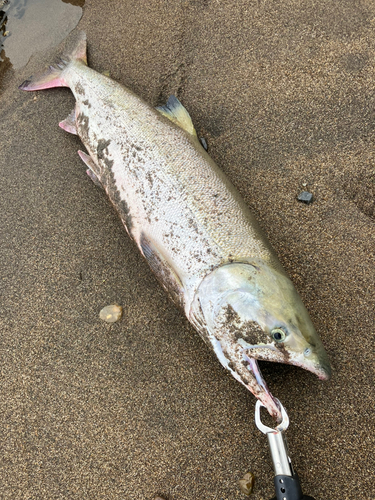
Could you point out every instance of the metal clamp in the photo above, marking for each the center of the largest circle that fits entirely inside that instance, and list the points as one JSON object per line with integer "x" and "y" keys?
{"x": 286, "y": 482}
{"x": 279, "y": 428}
{"x": 276, "y": 440}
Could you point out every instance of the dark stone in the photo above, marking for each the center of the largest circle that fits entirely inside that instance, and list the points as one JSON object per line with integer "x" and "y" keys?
{"x": 305, "y": 197}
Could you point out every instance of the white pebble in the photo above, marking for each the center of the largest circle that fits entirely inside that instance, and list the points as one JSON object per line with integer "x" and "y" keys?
{"x": 110, "y": 314}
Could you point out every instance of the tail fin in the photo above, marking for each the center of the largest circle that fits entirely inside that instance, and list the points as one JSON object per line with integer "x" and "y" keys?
{"x": 75, "y": 50}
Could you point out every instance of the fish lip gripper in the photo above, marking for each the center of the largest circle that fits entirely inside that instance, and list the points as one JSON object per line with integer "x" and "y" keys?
{"x": 286, "y": 480}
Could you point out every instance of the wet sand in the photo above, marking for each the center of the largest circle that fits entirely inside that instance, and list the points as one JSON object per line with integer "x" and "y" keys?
{"x": 284, "y": 95}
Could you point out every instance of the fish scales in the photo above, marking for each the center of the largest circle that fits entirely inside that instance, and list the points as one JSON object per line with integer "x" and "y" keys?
{"x": 190, "y": 223}
{"x": 172, "y": 188}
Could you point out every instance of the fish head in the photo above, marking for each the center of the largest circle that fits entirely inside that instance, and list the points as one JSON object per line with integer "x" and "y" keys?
{"x": 256, "y": 309}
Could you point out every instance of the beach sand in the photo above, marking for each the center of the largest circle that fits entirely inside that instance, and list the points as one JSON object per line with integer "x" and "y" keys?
{"x": 283, "y": 92}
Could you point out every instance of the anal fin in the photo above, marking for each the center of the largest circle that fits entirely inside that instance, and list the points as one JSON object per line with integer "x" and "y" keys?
{"x": 69, "y": 124}
{"x": 92, "y": 170}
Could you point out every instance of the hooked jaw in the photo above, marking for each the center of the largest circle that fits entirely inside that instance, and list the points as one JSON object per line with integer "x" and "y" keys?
{"x": 319, "y": 365}
{"x": 309, "y": 360}
{"x": 313, "y": 360}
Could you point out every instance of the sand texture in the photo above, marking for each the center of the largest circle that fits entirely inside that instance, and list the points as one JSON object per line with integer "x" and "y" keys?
{"x": 283, "y": 92}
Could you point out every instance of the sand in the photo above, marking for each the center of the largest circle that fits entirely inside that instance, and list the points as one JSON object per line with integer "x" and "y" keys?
{"x": 283, "y": 92}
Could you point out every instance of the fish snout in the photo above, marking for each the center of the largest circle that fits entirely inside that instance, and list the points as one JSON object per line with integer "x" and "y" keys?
{"x": 316, "y": 361}
{"x": 324, "y": 371}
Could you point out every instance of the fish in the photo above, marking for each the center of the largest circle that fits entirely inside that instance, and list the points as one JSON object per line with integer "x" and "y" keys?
{"x": 189, "y": 222}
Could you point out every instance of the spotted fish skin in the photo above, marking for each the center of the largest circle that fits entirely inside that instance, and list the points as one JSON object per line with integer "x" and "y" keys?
{"x": 189, "y": 222}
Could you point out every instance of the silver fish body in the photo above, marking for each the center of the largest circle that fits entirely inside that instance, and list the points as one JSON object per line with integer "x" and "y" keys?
{"x": 191, "y": 225}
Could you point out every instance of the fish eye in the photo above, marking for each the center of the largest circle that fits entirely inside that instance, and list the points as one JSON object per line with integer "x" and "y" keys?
{"x": 307, "y": 351}
{"x": 278, "y": 335}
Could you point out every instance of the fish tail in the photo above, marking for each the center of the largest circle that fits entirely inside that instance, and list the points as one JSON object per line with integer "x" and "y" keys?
{"x": 75, "y": 50}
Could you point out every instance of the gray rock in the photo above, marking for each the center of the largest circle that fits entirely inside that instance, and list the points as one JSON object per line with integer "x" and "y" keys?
{"x": 305, "y": 197}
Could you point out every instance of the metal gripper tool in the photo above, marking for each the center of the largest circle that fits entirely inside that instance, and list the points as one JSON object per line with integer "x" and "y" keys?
{"x": 286, "y": 481}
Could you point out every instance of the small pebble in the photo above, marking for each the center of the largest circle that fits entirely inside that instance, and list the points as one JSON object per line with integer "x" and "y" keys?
{"x": 305, "y": 197}
{"x": 110, "y": 314}
{"x": 247, "y": 483}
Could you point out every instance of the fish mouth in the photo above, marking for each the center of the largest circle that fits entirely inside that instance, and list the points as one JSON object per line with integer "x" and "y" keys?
{"x": 317, "y": 363}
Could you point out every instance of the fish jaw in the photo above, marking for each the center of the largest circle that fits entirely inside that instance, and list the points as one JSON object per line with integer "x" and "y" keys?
{"x": 242, "y": 305}
{"x": 314, "y": 362}
{"x": 245, "y": 370}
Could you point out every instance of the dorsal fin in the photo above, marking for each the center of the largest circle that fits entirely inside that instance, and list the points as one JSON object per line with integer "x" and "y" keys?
{"x": 175, "y": 112}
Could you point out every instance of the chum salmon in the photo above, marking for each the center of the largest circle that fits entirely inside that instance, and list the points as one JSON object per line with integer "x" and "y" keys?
{"x": 189, "y": 222}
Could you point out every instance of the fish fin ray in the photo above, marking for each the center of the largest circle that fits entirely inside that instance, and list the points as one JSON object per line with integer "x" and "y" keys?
{"x": 94, "y": 178}
{"x": 92, "y": 171}
{"x": 75, "y": 50}
{"x": 176, "y": 112}
{"x": 69, "y": 124}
